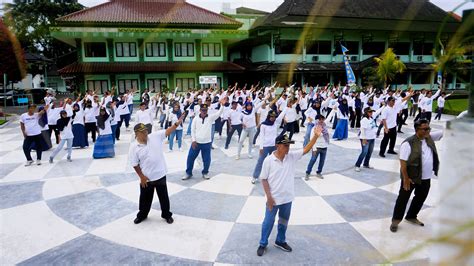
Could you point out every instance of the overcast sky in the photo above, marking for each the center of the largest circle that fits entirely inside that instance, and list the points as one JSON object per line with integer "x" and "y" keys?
{"x": 270, "y": 5}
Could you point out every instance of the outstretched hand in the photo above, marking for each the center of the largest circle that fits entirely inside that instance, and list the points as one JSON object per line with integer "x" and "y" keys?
{"x": 318, "y": 130}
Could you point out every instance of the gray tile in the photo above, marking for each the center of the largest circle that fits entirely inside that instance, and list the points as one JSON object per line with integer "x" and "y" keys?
{"x": 374, "y": 177}
{"x": 364, "y": 205}
{"x": 7, "y": 168}
{"x": 92, "y": 209}
{"x": 312, "y": 245}
{"x": 115, "y": 179}
{"x": 20, "y": 193}
{"x": 301, "y": 189}
{"x": 63, "y": 168}
{"x": 122, "y": 148}
{"x": 207, "y": 205}
{"x": 92, "y": 250}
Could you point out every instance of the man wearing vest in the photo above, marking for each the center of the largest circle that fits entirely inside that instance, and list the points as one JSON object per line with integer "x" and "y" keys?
{"x": 418, "y": 162}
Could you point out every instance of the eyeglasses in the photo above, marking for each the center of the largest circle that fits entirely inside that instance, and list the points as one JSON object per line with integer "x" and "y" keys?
{"x": 426, "y": 129}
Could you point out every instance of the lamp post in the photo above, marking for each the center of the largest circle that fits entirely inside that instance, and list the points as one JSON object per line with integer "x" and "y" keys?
{"x": 4, "y": 95}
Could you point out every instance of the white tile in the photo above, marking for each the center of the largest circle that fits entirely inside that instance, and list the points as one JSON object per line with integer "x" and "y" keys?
{"x": 131, "y": 191}
{"x": 188, "y": 237}
{"x": 397, "y": 246}
{"x": 15, "y": 157}
{"x": 431, "y": 200}
{"x": 232, "y": 151}
{"x": 334, "y": 184}
{"x": 60, "y": 187}
{"x": 304, "y": 211}
{"x": 32, "y": 172}
{"x": 348, "y": 143}
{"x": 11, "y": 145}
{"x": 176, "y": 160}
{"x": 118, "y": 164}
{"x": 7, "y": 137}
{"x": 227, "y": 184}
{"x": 31, "y": 229}
{"x": 386, "y": 164}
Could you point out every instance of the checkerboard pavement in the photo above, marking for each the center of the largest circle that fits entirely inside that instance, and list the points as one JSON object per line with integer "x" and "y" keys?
{"x": 82, "y": 212}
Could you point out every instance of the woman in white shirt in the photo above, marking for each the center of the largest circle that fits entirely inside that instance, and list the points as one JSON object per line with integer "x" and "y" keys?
{"x": 90, "y": 112}
{"x": 173, "y": 118}
{"x": 144, "y": 116}
{"x": 291, "y": 123}
{"x": 342, "y": 127}
{"x": 78, "y": 127}
{"x": 320, "y": 148}
{"x": 367, "y": 136}
{"x": 104, "y": 146}
{"x": 249, "y": 124}
{"x": 53, "y": 116}
{"x": 64, "y": 124}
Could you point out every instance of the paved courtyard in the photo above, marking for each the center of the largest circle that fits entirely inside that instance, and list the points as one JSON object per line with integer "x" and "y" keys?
{"x": 82, "y": 212}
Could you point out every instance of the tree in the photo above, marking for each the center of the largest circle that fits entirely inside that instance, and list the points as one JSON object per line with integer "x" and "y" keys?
{"x": 388, "y": 66}
{"x": 370, "y": 78}
{"x": 12, "y": 57}
{"x": 30, "y": 22}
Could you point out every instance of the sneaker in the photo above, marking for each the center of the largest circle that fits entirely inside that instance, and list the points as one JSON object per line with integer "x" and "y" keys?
{"x": 306, "y": 177}
{"x": 138, "y": 220}
{"x": 368, "y": 166}
{"x": 382, "y": 155}
{"x": 237, "y": 157}
{"x": 250, "y": 156}
{"x": 38, "y": 162}
{"x": 206, "y": 177}
{"x": 186, "y": 177}
{"x": 415, "y": 221}
{"x": 400, "y": 132}
{"x": 357, "y": 169}
{"x": 180, "y": 149}
{"x": 283, "y": 246}
{"x": 28, "y": 163}
{"x": 69, "y": 159}
{"x": 50, "y": 159}
{"x": 319, "y": 175}
{"x": 169, "y": 220}
{"x": 392, "y": 152}
{"x": 254, "y": 180}
{"x": 394, "y": 226}
{"x": 260, "y": 251}
{"x": 214, "y": 146}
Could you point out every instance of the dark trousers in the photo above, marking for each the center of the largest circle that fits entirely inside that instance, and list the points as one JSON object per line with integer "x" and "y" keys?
{"x": 356, "y": 119}
{"x": 91, "y": 127}
{"x": 303, "y": 117}
{"x": 256, "y": 135}
{"x": 427, "y": 116}
{"x": 421, "y": 192}
{"x": 438, "y": 113}
{"x": 37, "y": 139}
{"x": 390, "y": 136}
{"x": 56, "y": 132}
{"x": 146, "y": 198}
{"x": 233, "y": 128}
{"x": 219, "y": 125}
{"x": 290, "y": 127}
{"x": 413, "y": 109}
{"x": 402, "y": 118}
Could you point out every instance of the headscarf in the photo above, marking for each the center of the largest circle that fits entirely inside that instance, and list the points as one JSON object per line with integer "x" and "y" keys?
{"x": 43, "y": 120}
{"x": 177, "y": 113}
{"x": 74, "y": 110}
{"x": 246, "y": 111}
{"x": 344, "y": 108}
{"x": 267, "y": 121}
{"x": 102, "y": 118}
{"x": 62, "y": 122}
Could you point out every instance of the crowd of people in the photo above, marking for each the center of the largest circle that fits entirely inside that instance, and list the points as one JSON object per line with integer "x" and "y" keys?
{"x": 268, "y": 117}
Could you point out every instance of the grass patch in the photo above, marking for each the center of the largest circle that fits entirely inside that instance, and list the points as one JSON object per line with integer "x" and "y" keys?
{"x": 3, "y": 121}
{"x": 452, "y": 106}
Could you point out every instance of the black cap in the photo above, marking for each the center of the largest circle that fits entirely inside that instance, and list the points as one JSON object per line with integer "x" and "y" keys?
{"x": 272, "y": 113}
{"x": 319, "y": 117}
{"x": 139, "y": 127}
{"x": 284, "y": 139}
{"x": 204, "y": 106}
{"x": 368, "y": 109}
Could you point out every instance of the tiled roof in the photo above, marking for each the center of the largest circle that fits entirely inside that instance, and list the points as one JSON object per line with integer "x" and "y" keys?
{"x": 149, "y": 12}
{"x": 148, "y": 67}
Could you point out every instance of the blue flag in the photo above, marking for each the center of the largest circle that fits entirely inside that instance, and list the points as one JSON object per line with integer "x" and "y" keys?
{"x": 349, "y": 73}
{"x": 440, "y": 77}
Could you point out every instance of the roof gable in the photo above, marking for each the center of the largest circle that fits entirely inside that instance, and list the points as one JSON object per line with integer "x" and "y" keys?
{"x": 169, "y": 12}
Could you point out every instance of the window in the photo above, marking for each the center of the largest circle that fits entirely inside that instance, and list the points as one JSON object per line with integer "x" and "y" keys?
{"x": 352, "y": 46}
{"x": 286, "y": 47}
{"x": 155, "y": 49}
{"x": 420, "y": 77}
{"x": 100, "y": 86}
{"x": 376, "y": 48}
{"x": 95, "y": 49}
{"x": 319, "y": 47}
{"x": 184, "y": 83}
{"x": 183, "y": 49}
{"x": 127, "y": 84}
{"x": 157, "y": 84}
{"x": 211, "y": 49}
{"x": 422, "y": 48}
{"x": 125, "y": 49}
{"x": 400, "y": 48}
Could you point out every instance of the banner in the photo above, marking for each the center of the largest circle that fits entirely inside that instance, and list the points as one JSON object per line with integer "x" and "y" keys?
{"x": 351, "y": 80}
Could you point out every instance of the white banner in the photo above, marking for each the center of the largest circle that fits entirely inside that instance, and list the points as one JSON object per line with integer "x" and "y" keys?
{"x": 207, "y": 79}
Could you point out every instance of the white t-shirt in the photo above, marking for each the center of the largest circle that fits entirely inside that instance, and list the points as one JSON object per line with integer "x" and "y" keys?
{"x": 441, "y": 101}
{"x": 235, "y": 117}
{"x": 281, "y": 176}
{"x": 53, "y": 116}
{"x": 263, "y": 113}
{"x": 144, "y": 117}
{"x": 426, "y": 155}
{"x": 107, "y": 127}
{"x": 290, "y": 114}
{"x": 150, "y": 156}
{"x": 79, "y": 118}
{"x": 249, "y": 120}
{"x": 32, "y": 128}
{"x": 390, "y": 114}
{"x": 66, "y": 133}
{"x": 368, "y": 128}
{"x": 90, "y": 114}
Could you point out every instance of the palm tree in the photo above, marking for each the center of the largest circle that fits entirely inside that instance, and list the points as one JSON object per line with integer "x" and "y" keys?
{"x": 450, "y": 59}
{"x": 388, "y": 66}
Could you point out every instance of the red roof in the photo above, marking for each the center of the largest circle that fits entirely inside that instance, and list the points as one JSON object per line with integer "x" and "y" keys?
{"x": 148, "y": 67}
{"x": 149, "y": 12}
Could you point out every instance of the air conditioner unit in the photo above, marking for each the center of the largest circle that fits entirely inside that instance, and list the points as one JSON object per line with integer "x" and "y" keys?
{"x": 354, "y": 58}
{"x": 315, "y": 58}
{"x": 419, "y": 58}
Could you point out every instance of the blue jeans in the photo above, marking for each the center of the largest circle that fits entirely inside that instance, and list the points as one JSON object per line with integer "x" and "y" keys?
{"x": 309, "y": 128}
{"x": 130, "y": 108}
{"x": 314, "y": 156}
{"x": 366, "y": 152}
{"x": 188, "y": 132}
{"x": 284, "y": 211}
{"x": 258, "y": 168}
{"x": 205, "y": 150}
{"x": 179, "y": 135}
{"x": 60, "y": 146}
{"x": 114, "y": 129}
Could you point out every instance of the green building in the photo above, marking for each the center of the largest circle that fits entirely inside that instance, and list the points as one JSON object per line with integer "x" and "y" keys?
{"x": 151, "y": 44}
{"x": 300, "y": 41}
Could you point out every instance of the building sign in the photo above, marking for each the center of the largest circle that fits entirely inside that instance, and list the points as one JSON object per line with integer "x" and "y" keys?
{"x": 207, "y": 79}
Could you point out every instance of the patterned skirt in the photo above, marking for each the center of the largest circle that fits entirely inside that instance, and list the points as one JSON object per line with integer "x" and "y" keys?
{"x": 80, "y": 136}
{"x": 104, "y": 147}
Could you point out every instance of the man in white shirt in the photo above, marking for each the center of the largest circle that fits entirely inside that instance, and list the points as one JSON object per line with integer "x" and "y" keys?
{"x": 148, "y": 160}
{"x": 278, "y": 180}
{"x": 144, "y": 116}
{"x": 29, "y": 124}
{"x": 201, "y": 140}
{"x": 427, "y": 104}
{"x": 441, "y": 100}
{"x": 418, "y": 163}
{"x": 235, "y": 121}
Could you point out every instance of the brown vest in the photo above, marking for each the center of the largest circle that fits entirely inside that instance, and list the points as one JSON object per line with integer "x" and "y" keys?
{"x": 414, "y": 162}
